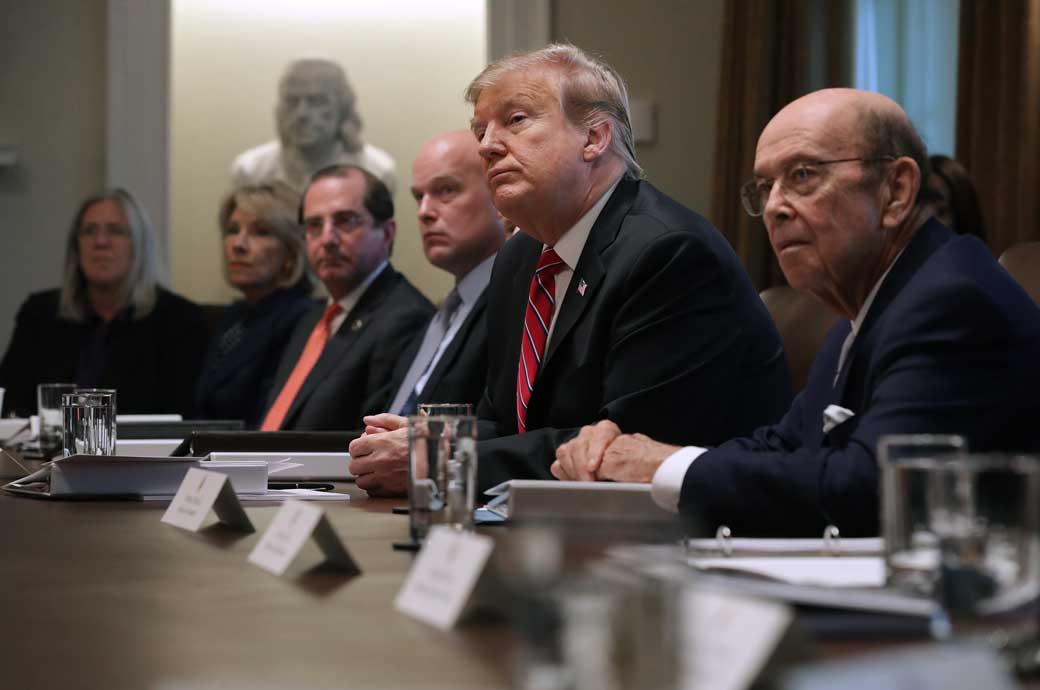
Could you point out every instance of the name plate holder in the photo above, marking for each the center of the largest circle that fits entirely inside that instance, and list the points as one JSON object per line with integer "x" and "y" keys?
{"x": 200, "y": 492}
{"x": 444, "y": 576}
{"x": 295, "y": 523}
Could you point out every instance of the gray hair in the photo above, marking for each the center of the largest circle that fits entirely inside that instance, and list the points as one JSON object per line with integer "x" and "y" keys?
{"x": 138, "y": 290}
{"x": 591, "y": 92}
{"x": 275, "y": 206}
{"x": 335, "y": 80}
{"x": 889, "y": 135}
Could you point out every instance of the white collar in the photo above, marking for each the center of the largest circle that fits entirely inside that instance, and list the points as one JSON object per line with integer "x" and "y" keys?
{"x": 474, "y": 282}
{"x": 857, "y": 322}
{"x": 571, "y": 244}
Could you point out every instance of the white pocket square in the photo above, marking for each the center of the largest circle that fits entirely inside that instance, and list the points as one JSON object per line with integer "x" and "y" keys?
{"x": 835, "y": 415}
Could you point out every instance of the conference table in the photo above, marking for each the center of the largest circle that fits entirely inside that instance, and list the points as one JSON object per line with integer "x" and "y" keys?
{"x": 101, "y": 594}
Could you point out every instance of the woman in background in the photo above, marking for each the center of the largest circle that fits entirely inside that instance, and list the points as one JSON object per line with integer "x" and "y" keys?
{"x": 957, "y": 204}
{"x": 110, "y": 325}
{"x": 265, "y": 259}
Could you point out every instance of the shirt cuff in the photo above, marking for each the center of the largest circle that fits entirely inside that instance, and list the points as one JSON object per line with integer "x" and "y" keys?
{"x": 668, "y": 479}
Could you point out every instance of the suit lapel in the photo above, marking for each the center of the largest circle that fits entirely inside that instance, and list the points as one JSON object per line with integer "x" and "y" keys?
{"x": 921, "y": 246}
{"x": 349, "y": 331}
{"x": 590, "y": 271}
{"x": 457, "y": 345}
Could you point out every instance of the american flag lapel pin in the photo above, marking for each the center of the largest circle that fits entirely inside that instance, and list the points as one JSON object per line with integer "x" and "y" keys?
{"x": 582, "y": 285}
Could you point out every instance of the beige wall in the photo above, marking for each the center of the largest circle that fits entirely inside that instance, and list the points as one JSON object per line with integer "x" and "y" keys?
{"x": 669, "y": 52}
{"x": 408, "y": 60}
{"x": 52, "y": 108}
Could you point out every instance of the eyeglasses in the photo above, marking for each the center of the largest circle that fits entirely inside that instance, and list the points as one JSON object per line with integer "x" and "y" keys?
{"x": 113, "y": 230}
{"x": 801, "y": 178}
{"x": 342, "y": 223}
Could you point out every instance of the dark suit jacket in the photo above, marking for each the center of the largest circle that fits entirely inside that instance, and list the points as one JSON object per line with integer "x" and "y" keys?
{"x": 236, "y": 379}
{"x": 460, "y": 372}
{"x": 350, "y": 377}
{"x": 668, "y": 339}
{"x": 153, "y": 361}
{"x": 951, "y": 344}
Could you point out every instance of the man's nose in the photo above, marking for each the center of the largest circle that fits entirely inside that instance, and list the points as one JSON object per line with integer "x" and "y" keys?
{"x": 776, "y": 207}
{"x": 427, "y": 213}
{"x": 490, "y": 145}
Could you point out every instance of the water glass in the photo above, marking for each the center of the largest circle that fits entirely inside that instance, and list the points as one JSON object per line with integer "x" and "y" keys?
{"x": 911, "y": 547}
{"x": 986, "y": 515}
{"x": 89, "y": 424}
{"x": 446, "y": 409}
{"x": 442, "y": 472}
{"x": 48, "y": 402}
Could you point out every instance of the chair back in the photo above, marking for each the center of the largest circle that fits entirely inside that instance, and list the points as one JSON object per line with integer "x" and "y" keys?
{"x": 803, "y": 322}
{"x": 1022, "y": 261}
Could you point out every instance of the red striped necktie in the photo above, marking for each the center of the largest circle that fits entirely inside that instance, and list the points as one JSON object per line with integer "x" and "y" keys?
{"x": 541, "y": 301}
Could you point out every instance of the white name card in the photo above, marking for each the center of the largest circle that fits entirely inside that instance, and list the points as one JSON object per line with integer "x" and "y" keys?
{"x": 200, "y": 492}
{"x": 295, "y": 522}
{"x": 728, "y": 640}
{"x": 444, "y": 575}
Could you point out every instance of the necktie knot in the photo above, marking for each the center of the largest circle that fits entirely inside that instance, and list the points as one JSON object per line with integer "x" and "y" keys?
{"x": 549, "y": 264}
{"x": 331, "y": 312}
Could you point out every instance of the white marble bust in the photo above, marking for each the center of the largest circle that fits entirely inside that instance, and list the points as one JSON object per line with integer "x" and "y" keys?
{"x": 318, "y": 125}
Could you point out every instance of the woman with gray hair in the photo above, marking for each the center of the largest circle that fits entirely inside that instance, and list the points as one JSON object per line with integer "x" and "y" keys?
{"x": 110, "y": 325}
{"x": 265, "y": 259}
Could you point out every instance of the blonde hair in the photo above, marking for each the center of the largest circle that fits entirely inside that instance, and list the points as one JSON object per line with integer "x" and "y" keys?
{"x": 275, "y": 206}
{"x": 591, "y": 92}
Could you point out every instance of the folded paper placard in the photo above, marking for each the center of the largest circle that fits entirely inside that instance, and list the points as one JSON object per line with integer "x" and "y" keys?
{"x": 200, "y": 492}
{"x": 444, "y": 575}
{"x": 295, "y": 522}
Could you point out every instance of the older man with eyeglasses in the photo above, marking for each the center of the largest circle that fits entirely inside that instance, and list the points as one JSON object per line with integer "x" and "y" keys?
{"x": 938, "y": 338}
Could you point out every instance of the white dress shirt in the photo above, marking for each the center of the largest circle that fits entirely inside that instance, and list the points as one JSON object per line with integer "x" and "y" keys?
{"x": 668, "y": 479}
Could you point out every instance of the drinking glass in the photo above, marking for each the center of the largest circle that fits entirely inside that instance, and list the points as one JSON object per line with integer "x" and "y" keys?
{"x": 446, "y": 409}
{"x": 89, "y": 425}
{"x": 911, "y": 547}
{"x": 442, "y": 478}
{"x": 48, "y": 402}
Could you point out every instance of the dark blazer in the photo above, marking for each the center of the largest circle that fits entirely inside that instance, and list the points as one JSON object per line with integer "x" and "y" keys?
{"x": 350, "y": 377}
{"x": 951, "y": 344}
{"x": 460, "y": 372}
{"x": 244, "y": 354}
{"x": 668, "y": 339}
{"x": 153, "y": 364}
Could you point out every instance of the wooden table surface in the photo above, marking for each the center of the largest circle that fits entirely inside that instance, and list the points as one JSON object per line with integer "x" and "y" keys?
{"x": 102, "y": 594}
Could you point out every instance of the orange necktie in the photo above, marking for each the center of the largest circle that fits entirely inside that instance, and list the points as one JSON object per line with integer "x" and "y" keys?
{"x": 308, "y": 358}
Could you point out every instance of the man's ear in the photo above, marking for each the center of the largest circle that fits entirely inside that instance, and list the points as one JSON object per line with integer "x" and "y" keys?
{"x": 902, "y": 183}
{"x": 597, "y": 140}
{"x": 389, "y": 233}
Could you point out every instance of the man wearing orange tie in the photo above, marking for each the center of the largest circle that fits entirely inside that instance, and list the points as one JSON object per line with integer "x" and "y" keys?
{"x": 341, "y": 355}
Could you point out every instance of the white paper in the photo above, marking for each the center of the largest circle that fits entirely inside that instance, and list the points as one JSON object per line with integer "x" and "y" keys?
{"x": 286, "y": 535}
{"x": 306, "y": 466}
{"x": 443, "y": 576}
{"x": 159, "y": 447}
{"x": 194, "y": 499}
{"x": 828, "y": 571}
{"x": 870, "y": 546}
{"x": 727, "y": 640}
